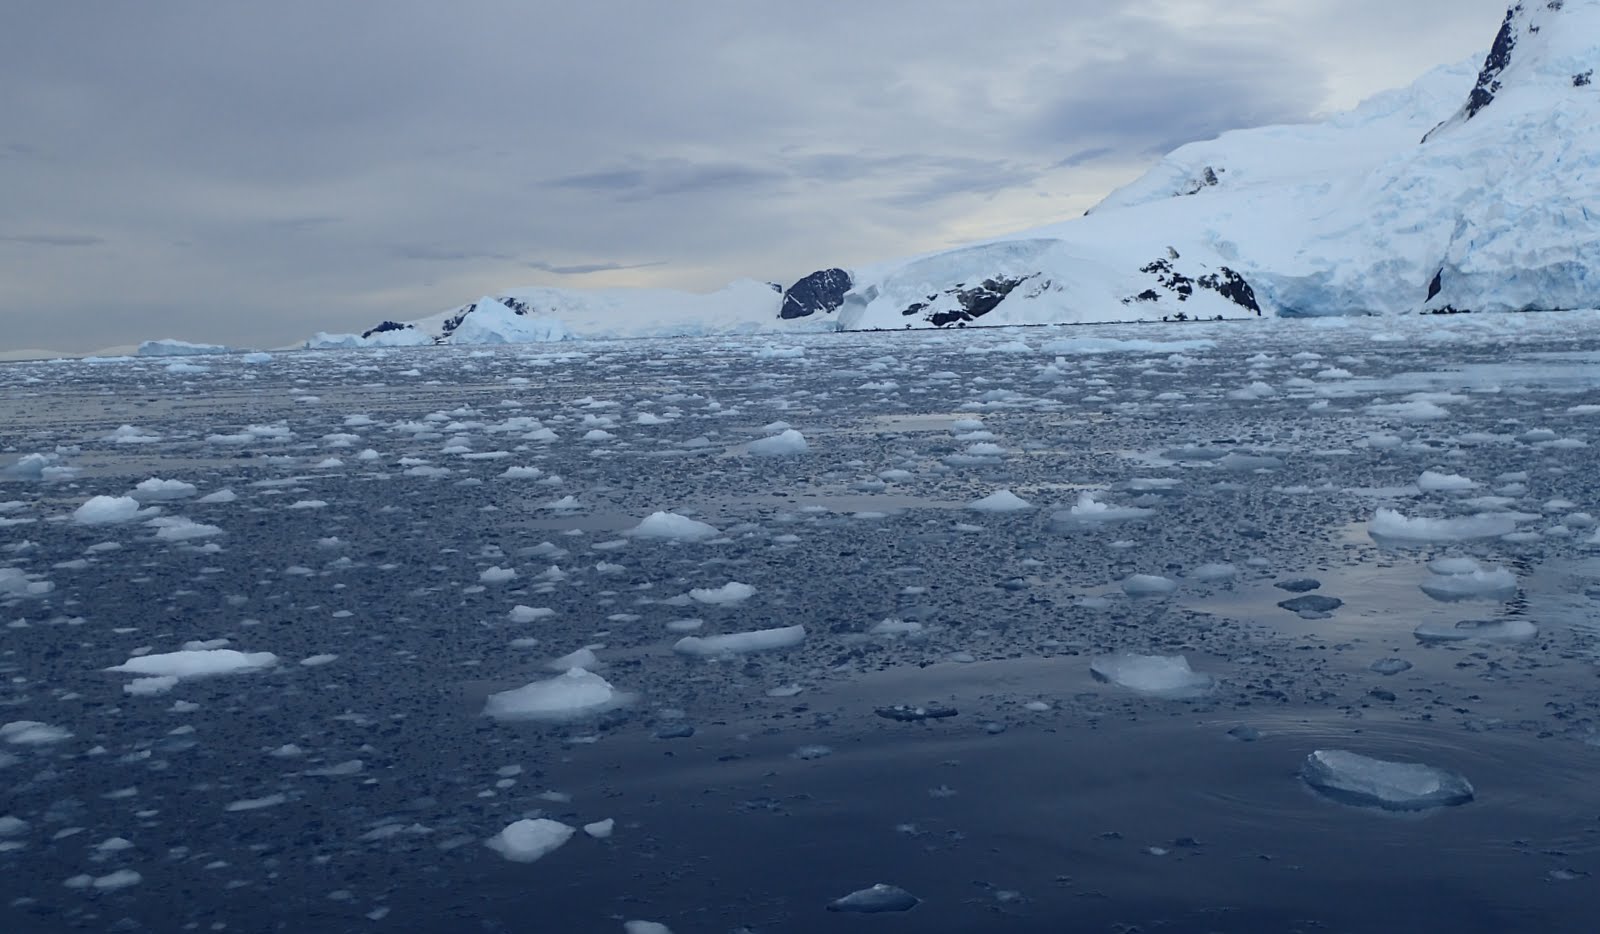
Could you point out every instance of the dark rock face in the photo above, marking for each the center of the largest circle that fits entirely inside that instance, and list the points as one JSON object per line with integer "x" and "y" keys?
{"x": 1207, "y": 179}
{"x": 1500, "y": 55}
{"x": 977, "y": 301}
{"x": 1225, "y": 282}
{"x": 1583, "y": 80}
{"x": 821, "y": 292}
{"x": 385, "y": 327}
{"x": 454, "y": 321}
{"x": 1436, "y": 286}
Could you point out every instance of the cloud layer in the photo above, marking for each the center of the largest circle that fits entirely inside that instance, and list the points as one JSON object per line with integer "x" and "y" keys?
{"x": 248, "y": 174}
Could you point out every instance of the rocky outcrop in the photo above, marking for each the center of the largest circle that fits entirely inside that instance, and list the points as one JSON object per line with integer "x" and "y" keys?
{"x": 1173, "y": 284}
{"x": 386, "y": 327}
{"x": 819, "y": 293}
{"x": 961, "y": 305}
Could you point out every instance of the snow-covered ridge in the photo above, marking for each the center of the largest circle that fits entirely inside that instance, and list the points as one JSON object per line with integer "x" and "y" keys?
{"x": 1470, "y": 190}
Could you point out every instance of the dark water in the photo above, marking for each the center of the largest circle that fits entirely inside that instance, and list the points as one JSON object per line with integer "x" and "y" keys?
{"x": 1093, "y": 809}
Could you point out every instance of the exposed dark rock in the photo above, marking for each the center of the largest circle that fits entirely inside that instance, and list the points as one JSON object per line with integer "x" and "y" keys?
{"x": 977, "y": 301}
{"x": 386, "y": 327}
{"x": 1225, "y": 282}
{"x": 1436, "y": 286}
{"x": 1500, "y": 55}
{"x": 1583, "y": 80}
{"x": 821, "y": 292}
{"x": 1207, "y": 179}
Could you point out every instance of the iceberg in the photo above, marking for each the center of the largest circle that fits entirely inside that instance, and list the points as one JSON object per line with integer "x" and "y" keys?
{"x": 1394, "y": 786}
{"x": 1166, "y": 677}
{"x": 573, "y": 695}
{"x": 739, "y": 643}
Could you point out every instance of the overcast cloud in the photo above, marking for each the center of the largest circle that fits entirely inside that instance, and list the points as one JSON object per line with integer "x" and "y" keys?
{"x": 251, "y": 173}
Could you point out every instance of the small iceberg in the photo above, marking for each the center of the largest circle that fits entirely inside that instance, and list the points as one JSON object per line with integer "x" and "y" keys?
{"x": 1394, "y": 786}
{"x": 1478, "y": 630}
{"x": 569, "y": 696}
{"x": 740, "y": 643}
{"x": 529, "y": 840}
{"x": 878, "y": 899}
{"x": 1165, "y": 676}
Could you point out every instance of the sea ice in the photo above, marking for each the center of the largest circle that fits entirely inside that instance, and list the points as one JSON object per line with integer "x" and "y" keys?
{"x": 669, "y": 526}
{"x": 529, "y": 840}
{"x": 784, "y": 444}
{"x": 1477, "y": 584}
{"x": 731, "y": 592}
{"x": 1163, "y": 676}
{"x": 1395, "y": 786}
{"x": 32, "y": 733}
{"x": 198, "y": 663}
{"x": 645, "y": 927}
{"x": 739, "y": 643}
{"x": 577, "y": 693}
{"x": 1472, "y": 630}
{"x": 1432, "y": 482}
{"x": 105, "y": 510}
{"x": 601, "y": 829}
{"x": 1000, "y": 502}
{"x": 879, "y": 898}
{"x": 1391, "y": 525}
{"x": 158, "y": 490}
{"x": 1090, "y": 509}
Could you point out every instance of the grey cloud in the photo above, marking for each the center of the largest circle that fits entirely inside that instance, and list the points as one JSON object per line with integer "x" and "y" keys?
{"x": 329, "y": 165}
{"x": 586, "y": 269}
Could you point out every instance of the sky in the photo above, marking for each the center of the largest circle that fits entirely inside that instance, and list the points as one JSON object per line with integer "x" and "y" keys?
{"x": 250, "y": 174}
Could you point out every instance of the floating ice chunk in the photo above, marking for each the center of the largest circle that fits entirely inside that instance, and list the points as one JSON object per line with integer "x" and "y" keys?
{"x": 880, "y": 898}
{"x": 11, "y": 826}
{"x": 1418, "y": 410}
{"x": 1448, "y": 566}
{"x": 1475, "y": 630}
{"x": 999, "y": 502}
{"x": 1431, "y": 482}
{"x": 317, "y": 661}
{"x": 30, "y": 467}
{"x": 729, "y": 593}
{"x": 1391, "y": 525}
{"x": 16, "y": 583}
{"x": 149, "y": 687}
{"x": 220, "y": 496}
{"x": 257, "y": 804}
{"x": 574, "y": 694}
{"x": 529, "y": 840}
{"x": 671, "y": 527}
{"x": 497, "y": 575}
{"x": 527, "y": 614}
{"x": 645, "y": 927}
{"x": 1390, "y": 666}
{"x": 105, "y": 510}
{"x": 600, "y": 829}
{"x": 783, "y": 444}
{"x": 157, "y": 490}
{"x": 739, "y": 643}
{"x": 895, "y": 627}
{"x": 179, "y": 529}
{"x": 1148, "y": 585}
{"x": 1168, "y": 677}
{"x": 1090, "y": 509}
{"x": 199, "y": 663}
{"x": 120, "y": 879}
{"x": 1213, "y": 573}
{"x": 32, "y": 733}
{"x": 1394, "y": 786}
{"x": 1479, "y": 584}
{"x": 565, "y": 503}
{"x": 582, "y": 658}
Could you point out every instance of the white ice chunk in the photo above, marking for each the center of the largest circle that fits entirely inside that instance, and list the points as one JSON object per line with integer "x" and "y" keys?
{"x": 105, "y": 510}
{"x": 1163, "y": 676}
{"x": 158, "y": 490}
{"x": 1090, "y": 509}
{"x": 729, "y": 593}
{"x": 497, "y": 575}
{"x": 583, "y": 658}
{"x": 1214, "y": 573}
{"x": 202, "y": 663}
{"x": 1000, "y": 502}
{"x": 1391, "y": 525}
{"x": 1479, "y": 584}
{"x": 574, "y": 694}
{"x": 149, "y": 687}
{"x": 738, "y": 643}
{"x": 600, "y": 829}
{"x": 1394, "y": 786}
{"x": 1432, "y": 482}
{"x": 645, "y": 927}
{"x": 32, "y": 733}
{"x": 1474, "y": 630}
{"x": 784, "y": 444}
{"x": 529, "y": 840}
{"x": 669, "y": 526}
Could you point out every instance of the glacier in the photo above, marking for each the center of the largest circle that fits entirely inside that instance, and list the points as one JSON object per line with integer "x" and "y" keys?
{"x": 1468, "y": 191}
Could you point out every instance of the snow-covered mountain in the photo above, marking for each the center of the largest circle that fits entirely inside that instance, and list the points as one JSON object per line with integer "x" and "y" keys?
{"x": 1475, "y": 189}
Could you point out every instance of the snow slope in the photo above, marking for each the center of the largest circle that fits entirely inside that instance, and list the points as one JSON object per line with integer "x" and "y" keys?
{"x": 1470, "y": 190}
